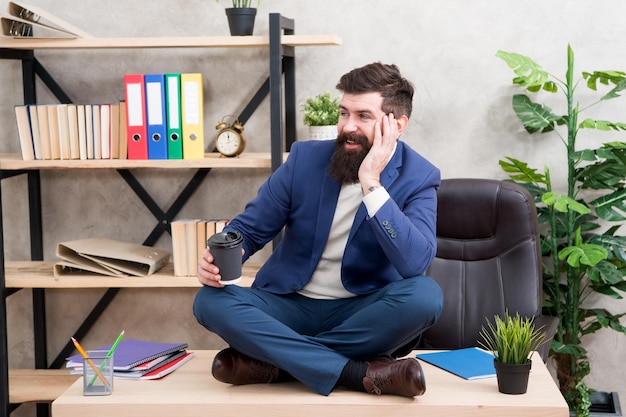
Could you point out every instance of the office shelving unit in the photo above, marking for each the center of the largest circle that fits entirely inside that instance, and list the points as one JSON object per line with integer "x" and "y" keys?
{"x": 37, "y": 274}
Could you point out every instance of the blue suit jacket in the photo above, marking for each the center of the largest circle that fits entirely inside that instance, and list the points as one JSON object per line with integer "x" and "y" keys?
{"x": 398, "y": 242}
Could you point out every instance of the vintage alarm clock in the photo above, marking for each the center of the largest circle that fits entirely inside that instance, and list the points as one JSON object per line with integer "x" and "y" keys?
{"x": 230, "y": 139}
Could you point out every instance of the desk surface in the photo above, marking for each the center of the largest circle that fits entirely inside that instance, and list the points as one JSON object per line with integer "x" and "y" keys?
{"x": 191, "y": 391}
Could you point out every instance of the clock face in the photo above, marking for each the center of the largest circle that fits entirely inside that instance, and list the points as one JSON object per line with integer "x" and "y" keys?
{"x": 229, "y": 143}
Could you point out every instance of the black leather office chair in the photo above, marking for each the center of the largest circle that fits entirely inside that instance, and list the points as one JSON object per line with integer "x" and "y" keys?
{"x": 488, "y": 260}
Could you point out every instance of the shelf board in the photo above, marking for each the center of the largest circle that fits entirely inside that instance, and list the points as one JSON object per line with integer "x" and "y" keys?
{"x": 14, "y": 161}
{"x": 38, "y": 274}
{"x": 37, "y": 385}
{"x": 167, "y": 42}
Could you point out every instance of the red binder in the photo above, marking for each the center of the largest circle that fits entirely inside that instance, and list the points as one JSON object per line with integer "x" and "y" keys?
{"x": 136, "y": 116}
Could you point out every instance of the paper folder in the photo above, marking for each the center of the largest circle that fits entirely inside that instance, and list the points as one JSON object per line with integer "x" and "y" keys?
{"x": 41, "y": 18}
{"x": 136, "y": 116}
{"x": 108, "y": 257}
{"x": 192, "y": 109}
{"x": 174, "y": 129}
{"x": 20, "y": 28}
{"x": 155, "y": 116}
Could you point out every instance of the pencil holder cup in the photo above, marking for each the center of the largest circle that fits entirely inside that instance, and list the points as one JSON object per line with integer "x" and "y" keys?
{"x": 97, "y": 373}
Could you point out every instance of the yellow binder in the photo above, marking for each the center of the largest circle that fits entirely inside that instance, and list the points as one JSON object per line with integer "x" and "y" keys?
{"x": 192, "y": 109}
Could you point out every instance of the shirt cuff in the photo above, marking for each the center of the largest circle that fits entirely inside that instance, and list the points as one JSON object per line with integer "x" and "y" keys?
{"x": 375, "y": 200}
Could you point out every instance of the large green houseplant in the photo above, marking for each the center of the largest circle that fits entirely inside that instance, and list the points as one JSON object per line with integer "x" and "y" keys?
{"x": 584, "y": 254}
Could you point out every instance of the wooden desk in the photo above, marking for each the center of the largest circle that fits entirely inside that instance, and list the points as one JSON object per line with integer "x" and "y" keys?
{"x": 191, "y": 391}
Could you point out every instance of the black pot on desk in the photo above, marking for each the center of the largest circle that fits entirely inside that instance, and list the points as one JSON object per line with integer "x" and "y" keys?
{"x": 512, "y": 378}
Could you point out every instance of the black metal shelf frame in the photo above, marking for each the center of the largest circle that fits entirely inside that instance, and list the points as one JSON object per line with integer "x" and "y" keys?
{"x": 280, "y": 86}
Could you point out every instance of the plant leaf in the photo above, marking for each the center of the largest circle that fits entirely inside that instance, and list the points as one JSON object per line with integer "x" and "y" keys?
{"x": 601, "y": 125}
{"x": 520, "y": 171}
{"x": 583, "y": 254}
{"x": 564, "y": 203}
{"x": 534, "y": 116}
{"x": 606, "y": 207}
{"x": 529, "y": 73}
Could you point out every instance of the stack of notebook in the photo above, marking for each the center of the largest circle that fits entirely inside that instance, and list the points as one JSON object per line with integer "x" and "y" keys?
{"x": 141, "y": 359}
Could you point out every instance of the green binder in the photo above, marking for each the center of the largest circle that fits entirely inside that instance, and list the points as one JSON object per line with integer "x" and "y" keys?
{"x": 174, "y": 122}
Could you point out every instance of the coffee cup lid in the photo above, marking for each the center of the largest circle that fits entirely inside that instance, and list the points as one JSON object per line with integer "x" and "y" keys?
{"x": 225, "y": 240}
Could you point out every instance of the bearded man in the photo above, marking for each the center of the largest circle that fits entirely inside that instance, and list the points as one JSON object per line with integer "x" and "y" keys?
{"x": 343, "y": 295}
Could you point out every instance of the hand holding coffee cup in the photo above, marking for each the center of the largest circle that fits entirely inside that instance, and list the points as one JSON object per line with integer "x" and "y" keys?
{"x": 226, "y": 250}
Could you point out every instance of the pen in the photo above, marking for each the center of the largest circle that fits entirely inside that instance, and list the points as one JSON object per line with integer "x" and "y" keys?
{"x": 109, "y": 354}
{"x": 89, "y": 361}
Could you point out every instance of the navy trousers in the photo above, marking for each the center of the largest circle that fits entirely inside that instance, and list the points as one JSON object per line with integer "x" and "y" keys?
{"x": 312, "y": 339}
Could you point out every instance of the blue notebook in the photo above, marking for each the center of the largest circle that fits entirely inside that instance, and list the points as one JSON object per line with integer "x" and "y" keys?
{"x": 468, "y": 363}
{"x": 131, "y": 352}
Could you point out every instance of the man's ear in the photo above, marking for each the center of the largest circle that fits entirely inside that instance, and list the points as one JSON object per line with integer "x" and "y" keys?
{"x": 402, "y": 122}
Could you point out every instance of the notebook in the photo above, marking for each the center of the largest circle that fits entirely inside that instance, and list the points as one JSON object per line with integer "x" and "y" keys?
{"x": 468, "y": 363}
{"x": 132, "y": 352}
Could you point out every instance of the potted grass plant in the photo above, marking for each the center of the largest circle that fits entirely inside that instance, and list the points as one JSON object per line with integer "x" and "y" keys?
{"x": 241, "y": 17}
{"x": 512, "y": 339}
{"x": 321, "y": 115}
{"x": 584, "y": 251}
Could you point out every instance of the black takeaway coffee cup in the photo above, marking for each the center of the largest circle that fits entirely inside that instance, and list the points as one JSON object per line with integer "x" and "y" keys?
{"x": 226, "y": 250}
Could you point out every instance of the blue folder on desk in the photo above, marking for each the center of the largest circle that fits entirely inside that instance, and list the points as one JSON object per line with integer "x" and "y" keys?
{"x": 468, "y": 363}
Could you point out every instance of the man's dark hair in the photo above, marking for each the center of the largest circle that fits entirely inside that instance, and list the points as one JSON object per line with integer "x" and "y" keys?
{"x": 397, "y": 92}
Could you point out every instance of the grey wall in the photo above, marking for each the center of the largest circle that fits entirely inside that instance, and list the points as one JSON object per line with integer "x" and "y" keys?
{"x": 462, "y": 121}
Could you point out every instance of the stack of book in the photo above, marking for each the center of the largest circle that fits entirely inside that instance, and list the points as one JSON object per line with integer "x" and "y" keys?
{"x": 140, "y": 359}
{"x": 72, "y": 131}
{"x": 189, "y": 237}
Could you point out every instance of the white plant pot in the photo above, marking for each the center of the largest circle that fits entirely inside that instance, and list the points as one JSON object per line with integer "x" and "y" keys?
{"x": 322, "y": 132}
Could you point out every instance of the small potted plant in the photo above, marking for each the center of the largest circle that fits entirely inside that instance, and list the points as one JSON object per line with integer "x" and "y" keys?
{"x": 241, "y": 17}
{"x": 512, "y": 340}
{"x": 321, "y": 114}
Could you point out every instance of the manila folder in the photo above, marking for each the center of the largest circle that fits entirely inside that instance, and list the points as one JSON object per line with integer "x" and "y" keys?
{"x": 109, "y": 257}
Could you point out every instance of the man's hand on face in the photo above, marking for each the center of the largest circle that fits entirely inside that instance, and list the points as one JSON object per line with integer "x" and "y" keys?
{"x": 385, "y": 137}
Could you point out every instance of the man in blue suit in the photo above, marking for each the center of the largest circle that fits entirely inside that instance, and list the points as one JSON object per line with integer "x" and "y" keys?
{"x": 343, "y": 295}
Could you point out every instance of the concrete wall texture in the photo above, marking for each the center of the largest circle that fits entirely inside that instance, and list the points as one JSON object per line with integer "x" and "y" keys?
{"x": 462, "y": 121}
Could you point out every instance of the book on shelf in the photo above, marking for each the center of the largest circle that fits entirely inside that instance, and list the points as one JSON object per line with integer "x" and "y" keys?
{"x": 141, "y": 359}
{"x": 468, "y": 363}
{"x": 25, "y": 20}
{"x": 102, "y": 256}
{"x": 34, "y": 129}
{"x": 71, "y": 131}
{"x": 44, "y": 131}
{"x": 64, "y": 131}
{"x": 189, "y": 237}
{"x": 53, "y": 127}
{"x": 24, "y": 133}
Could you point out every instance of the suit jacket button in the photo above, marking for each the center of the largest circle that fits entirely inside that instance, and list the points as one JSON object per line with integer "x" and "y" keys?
{"x": 294, "y": 287}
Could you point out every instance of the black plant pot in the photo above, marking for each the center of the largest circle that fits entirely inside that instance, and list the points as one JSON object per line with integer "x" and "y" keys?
{"x": 512, "y": 379}
{"x": 241, "y": 20}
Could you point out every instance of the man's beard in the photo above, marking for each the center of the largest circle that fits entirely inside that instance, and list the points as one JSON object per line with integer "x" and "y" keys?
{"x": 345, "y": 163}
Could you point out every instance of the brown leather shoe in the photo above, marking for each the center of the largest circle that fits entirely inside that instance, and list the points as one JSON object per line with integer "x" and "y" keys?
{"x": 232, "y": 367}
{"x": 397, "y": 377}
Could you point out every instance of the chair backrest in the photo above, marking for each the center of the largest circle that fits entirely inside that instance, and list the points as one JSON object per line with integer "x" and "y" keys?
{"x": 488, "y": 258}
